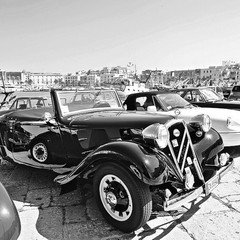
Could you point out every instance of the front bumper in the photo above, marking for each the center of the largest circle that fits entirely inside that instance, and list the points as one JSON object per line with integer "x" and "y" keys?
{"x": 177, "y": 201}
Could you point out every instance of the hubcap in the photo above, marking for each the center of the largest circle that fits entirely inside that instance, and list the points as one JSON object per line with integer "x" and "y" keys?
{"x": 115, "y": 197}
{"x": 111, "y": 199}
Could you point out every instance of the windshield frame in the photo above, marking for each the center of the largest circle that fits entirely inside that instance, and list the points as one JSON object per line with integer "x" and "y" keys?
{"x": 172, "y": 101}
{"x": 210, "y": 95}
{"x": 72, "y": 102}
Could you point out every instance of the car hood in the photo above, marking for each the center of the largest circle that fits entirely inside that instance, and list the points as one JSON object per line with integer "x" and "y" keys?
{"x": 220, "y": 117}
{"x": 118, "y": 119}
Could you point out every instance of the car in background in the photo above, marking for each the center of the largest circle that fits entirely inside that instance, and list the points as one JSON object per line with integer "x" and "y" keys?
{"x": 10, "y": 225}
{"x": 217, "y": 90}
{"x": 12, "y": 102}
{"x": 206, "y": 97}
{"x": 128, "y": 156}
{"x": 235, "y": 93}
{"x": 28, "y": 102}
{"x": 225, "y": 121}
{"x": 226, "y": 91}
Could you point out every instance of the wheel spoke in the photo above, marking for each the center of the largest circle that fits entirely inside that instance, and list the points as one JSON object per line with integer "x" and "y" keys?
{"x": 115, "y": 197}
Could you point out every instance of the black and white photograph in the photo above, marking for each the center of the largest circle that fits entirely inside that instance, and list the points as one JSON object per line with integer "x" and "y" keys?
{"x": 119, "y": 120}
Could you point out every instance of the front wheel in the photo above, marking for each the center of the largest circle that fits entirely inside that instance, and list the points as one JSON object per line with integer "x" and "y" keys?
{"x": 123, "y": 199}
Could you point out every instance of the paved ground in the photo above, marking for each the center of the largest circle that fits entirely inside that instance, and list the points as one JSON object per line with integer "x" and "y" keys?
{"x": 45, "y": 214}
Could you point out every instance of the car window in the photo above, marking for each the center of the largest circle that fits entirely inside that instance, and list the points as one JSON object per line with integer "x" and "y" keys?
{"x": 22, "y": 104}
{"x": 172, "y": 100}
{"x": 188, "y": 96}
{"x": 140, "y": 103}
{"x": 210, "y": 94}
{"x": 236, "y": 89}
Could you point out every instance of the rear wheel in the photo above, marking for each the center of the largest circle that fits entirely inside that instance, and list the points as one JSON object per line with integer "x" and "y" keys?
{"x": 124, "y": 200}
{"x": 40, "y": 153}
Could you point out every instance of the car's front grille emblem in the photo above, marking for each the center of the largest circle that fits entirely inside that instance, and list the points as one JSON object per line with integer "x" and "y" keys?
{"x": 176, "y": 132}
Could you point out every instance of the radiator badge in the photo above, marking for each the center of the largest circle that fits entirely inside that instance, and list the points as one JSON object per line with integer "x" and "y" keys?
{"x": 176, "y": 132}
{"x": 175, "y": 143}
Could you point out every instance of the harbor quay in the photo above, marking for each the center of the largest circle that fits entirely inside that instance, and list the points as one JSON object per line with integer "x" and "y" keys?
{"x": 45, "y": 213}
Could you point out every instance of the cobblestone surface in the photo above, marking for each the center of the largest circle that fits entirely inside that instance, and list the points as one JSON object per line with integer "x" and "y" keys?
{"x": 45, "y": 214}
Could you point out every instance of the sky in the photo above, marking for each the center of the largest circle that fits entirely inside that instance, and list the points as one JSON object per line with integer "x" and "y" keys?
{"x": 68, "y": 36}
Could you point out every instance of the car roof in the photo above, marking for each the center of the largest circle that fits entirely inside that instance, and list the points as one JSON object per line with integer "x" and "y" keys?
{"x": 30, "y": 98}
{"x": 150, "y": 93}
{"x": 193, "y": 88}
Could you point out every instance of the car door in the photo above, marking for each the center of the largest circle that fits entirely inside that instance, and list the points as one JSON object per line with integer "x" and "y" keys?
{"x": 35, "y": 143}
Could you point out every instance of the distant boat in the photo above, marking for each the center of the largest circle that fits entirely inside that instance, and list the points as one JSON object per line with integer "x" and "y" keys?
{"x": 136, "y": 87}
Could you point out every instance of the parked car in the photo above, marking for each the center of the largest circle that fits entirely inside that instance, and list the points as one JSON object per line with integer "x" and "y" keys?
{"x": 129, "y": 156}
{"x": 226, "y": 91}
{"x": 205, "y": 97}
{"x": 235, "y": 93}
{"x": 29, "y": 102}
{"x": 225, "y": 121}
{"x": 11, "y": 102}
{"x": 10, "y": 226}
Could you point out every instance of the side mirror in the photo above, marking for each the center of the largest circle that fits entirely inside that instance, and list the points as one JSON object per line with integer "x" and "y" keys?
{"x": 47, "y": 116}
{"x": 151, "y": 109}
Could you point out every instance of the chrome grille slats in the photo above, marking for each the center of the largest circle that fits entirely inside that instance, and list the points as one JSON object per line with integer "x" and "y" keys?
{"x": 181, "y": 148}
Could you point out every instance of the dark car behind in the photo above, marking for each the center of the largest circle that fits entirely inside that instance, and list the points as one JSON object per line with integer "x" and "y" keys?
{"x": 235, "y": 93}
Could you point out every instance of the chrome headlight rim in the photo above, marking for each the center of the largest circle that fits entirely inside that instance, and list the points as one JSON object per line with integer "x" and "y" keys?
{"x": 158, "y": 133}
{"x": 203, "y": 121}
{"x": 207, "y": 123}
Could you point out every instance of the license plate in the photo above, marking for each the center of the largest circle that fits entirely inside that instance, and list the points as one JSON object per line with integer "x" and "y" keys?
{"x": 211, "y": 184}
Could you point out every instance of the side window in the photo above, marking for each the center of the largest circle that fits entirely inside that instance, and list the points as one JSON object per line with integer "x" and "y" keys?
{"x": 188, "y": 97}
{"x": 14, "y": 105}
{"x": 140, "y": 103}
{"x": 21, "y": 104}
{"x": 196, "y": 96}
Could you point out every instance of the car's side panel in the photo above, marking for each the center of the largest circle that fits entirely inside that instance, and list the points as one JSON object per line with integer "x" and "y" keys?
{"x": 19, "y": 138}
{"x": 146, "y": 164}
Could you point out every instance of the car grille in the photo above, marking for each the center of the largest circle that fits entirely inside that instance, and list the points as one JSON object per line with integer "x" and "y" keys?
{"x": 181, "y": 150}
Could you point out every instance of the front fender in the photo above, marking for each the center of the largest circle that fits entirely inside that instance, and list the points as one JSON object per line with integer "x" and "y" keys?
{"x": 148, "y": 166}
{"x": 209, "y": 145}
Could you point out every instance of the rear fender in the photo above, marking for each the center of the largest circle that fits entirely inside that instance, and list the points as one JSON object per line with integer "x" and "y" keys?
{"x": 143, "y": 162}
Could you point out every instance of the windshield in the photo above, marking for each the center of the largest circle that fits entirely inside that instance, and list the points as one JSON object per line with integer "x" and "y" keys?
{"x": 71, "y": 101}
{"x": 210, "y": 95}
{"x": 173, "y": 100}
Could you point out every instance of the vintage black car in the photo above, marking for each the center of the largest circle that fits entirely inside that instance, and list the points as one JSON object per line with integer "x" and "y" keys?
{"x": 129, "y": 156}
{"x": 206, "y": 97}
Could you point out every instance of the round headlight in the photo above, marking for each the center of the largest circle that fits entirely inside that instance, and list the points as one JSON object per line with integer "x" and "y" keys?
{"x": 158, "y": 133}
{"x": 207, "y": 123}
{"x": 163, "y": 135}
{"x": 203, "y": 121}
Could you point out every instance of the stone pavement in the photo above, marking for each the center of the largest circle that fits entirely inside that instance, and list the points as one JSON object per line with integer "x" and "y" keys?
{"x": 45, "y": 214}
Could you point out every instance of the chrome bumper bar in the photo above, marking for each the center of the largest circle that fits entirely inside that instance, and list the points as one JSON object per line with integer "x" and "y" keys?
{"x": 174, "y": 203}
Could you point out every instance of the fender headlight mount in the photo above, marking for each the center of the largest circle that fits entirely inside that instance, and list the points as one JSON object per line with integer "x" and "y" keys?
{"x": 202, "y": 121}
{"x": 156, "y": 134}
